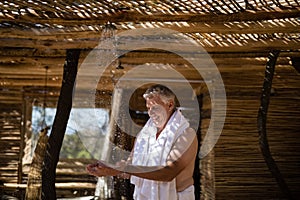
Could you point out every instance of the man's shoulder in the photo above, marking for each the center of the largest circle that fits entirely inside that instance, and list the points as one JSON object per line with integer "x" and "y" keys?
{"x": 190, "y": 131}
{"x": 189, "y": 134}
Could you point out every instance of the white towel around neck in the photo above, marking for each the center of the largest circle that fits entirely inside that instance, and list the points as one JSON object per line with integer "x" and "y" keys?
{"x": 149, "y": 151}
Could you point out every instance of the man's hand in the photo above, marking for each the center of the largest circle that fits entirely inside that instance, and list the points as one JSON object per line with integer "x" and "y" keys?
{"x": 100, "y": 169}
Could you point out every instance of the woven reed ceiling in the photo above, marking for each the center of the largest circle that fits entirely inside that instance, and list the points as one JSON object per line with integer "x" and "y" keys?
{"x": 35, "y": 33}
{"x": 241, "y": 21}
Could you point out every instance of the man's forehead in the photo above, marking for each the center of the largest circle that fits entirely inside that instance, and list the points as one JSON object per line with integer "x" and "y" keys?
{"x": 154, "y": 99}
{"x": 150, "y": 94}
{"x": 153, "y": 96}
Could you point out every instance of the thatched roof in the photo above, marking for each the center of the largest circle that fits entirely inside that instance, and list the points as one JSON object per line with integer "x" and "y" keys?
{"x": 35, "y": 34}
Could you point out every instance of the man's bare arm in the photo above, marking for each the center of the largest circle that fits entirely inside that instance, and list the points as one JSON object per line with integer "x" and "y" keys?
{"x": 182, "y": 153}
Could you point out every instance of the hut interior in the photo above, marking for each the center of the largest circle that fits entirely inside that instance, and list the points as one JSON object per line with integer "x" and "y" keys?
{"x": 241, "y": 37}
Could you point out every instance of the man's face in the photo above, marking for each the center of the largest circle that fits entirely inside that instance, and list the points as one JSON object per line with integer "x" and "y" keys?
{"x": 158, "y": 111}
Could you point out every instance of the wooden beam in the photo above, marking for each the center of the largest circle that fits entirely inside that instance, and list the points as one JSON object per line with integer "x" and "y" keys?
{"x": 130, "y": 59}
{"x": 251, "y": 27}
{"x": 20, "y": 82}
{"x": 210, "y": 44}
{"x": 20, "y": 55}
{"x": 136, "y": 16}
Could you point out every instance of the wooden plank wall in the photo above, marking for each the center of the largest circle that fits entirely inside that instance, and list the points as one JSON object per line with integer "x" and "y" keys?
{"x": 10, "y": 126}
{"x": 240, "y": 170}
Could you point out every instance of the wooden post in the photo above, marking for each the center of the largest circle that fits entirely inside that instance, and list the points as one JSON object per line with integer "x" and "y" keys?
{"x": 262, "y": 127}
{"x": 59, "y": 125}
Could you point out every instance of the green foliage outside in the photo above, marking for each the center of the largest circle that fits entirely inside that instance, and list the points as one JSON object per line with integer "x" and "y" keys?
{"x": 73, "y": 148}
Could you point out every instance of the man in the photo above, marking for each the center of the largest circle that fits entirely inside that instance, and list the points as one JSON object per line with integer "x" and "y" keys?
{"x": 162, "y": 162}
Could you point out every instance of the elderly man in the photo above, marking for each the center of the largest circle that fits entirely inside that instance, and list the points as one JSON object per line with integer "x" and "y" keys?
{"x": 162, "y": 161}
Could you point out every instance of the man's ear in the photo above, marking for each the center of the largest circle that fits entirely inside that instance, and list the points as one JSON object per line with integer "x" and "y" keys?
{"x": 171, "y": 105}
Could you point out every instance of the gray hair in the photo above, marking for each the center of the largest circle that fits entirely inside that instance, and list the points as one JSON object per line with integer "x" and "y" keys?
{"x": 164, "y": 92}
